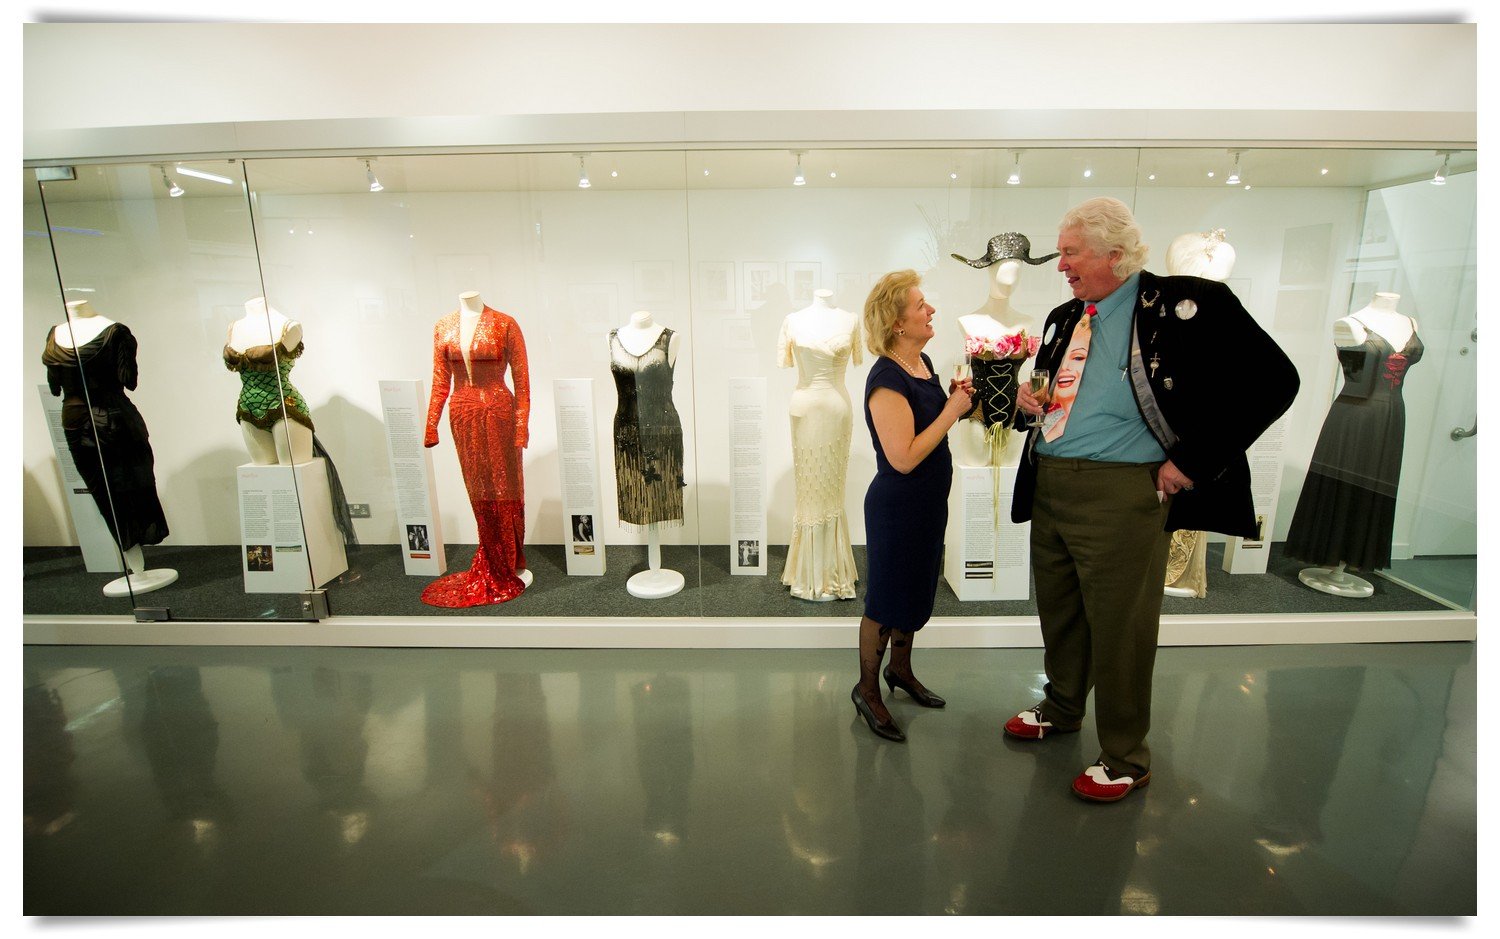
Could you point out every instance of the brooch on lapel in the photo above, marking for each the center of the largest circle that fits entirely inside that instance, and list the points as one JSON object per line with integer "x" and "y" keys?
{"x": 1167, "y": 384}
{"x": 1051, "y": 331}
{"x": 1186, "y": 309}
{"x": 1149, "y": 302}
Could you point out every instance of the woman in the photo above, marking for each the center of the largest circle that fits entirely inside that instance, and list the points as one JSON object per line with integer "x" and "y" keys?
{"x": 906, "y": 507}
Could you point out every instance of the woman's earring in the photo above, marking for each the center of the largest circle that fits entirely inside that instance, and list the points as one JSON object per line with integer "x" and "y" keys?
{"x": 901, "y": 332}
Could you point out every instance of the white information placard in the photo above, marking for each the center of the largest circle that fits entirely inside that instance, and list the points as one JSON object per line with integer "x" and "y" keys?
{"x": 100, "y": 555}
{"x": 417, "y": 523}
{"x": 578, "y": 464}
{"x": 1249, "y": 555}
{"x": 747, "y": 476}
{"x": 289, "y": 539}
{"x": 986, "y": 556}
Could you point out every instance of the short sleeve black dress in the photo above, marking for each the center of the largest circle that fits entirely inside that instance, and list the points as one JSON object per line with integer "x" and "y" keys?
{"x": 106, "y": 434}
{"x": 906, "y": 514}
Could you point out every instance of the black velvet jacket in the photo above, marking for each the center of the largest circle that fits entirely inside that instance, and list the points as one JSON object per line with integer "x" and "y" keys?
{"x": 1219, "y": 382}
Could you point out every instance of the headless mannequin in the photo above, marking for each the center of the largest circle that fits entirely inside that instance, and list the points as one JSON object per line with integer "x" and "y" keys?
{"x": 469, "y": 307}
{"x": 1397, "y": 329}
{"x": 822, "y": 320}
{"x": 969, "y": 439}
{"x": 1206, "y": 255}
{"x": 287, "y": 441}
{"x": 637, "y": 337}
{"x": 83, "y": 326}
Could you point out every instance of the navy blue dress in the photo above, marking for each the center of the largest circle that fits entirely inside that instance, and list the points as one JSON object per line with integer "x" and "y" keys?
{"x": 905, "y": 515}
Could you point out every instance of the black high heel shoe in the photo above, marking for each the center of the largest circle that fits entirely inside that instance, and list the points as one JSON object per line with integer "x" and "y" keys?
{"x": 920, "y": 695}
{"x": 888, "y": 729}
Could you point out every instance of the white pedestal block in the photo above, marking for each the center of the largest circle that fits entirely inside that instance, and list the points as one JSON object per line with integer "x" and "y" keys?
{"x": 289, "y": 540}
{"x": 986, "y": 556}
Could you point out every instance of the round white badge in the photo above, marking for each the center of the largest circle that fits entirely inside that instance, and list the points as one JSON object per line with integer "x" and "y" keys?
{"x": 1051, "y": 331}
{"x": 1186, "y": 309}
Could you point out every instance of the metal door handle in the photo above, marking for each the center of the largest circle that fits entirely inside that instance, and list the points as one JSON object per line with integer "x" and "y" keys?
{"x": 1459, "y": 433}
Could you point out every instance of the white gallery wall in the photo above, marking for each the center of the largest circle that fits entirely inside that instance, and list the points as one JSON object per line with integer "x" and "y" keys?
{"x": 369, "y": 273}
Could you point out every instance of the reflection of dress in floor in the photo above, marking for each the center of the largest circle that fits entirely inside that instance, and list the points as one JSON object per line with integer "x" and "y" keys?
{"x": 820, "y": 558}
{"x": 1347, "y": 510}
{"x": 120, "y": 470}
{"x": 648, "y": 435}
{"x": 489, "y": 426}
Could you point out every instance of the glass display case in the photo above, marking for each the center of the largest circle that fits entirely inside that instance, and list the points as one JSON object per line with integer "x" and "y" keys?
{"x": 562, "y": 382}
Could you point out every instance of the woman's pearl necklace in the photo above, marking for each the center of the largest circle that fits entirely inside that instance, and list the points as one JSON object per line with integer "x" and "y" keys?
{"x": 907, "y": 365}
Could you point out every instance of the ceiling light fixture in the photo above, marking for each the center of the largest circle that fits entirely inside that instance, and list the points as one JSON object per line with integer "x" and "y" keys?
{"x": 1440, "y": 178}
{"x": 799, "y": 179}
{"x": 370, "y": 178}
{"x": 1087, "y": 173}
{"x": 1152, "y": 177}
{"x": 1015, "y": 169}
{"x": 1234, "y": 174}
{"x": 583, "y": 173}
{"x": 201, "y": 175}
{"x": 1323, "y": 171}
{"x": 173, "y": 189}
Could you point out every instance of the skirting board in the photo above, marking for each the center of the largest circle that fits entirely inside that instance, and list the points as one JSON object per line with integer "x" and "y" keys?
{"x": 723, "y": 633}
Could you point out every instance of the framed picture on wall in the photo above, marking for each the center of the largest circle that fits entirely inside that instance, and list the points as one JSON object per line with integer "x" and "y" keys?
{"x": 801, "y": 281}
{"x": 653, "y": 282}
{"x": 760, "y": 277}
{"x": 850, "y": 291}
{"x": 716, "y": 286}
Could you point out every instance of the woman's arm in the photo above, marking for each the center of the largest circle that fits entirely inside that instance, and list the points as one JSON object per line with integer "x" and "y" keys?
{"x": 895, "y": 426}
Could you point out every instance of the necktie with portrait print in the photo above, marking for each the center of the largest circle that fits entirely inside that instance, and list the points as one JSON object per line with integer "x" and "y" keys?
{"x": 1072, "y": 363}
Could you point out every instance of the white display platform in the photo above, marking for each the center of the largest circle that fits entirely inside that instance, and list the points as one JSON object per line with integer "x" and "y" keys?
{"x": 578, "y": 467}
{"x": 418, "y": 523}
{"x": 986, "y": 556}
{"x": 100, "y": 553}
{"x": 289, "y": 540}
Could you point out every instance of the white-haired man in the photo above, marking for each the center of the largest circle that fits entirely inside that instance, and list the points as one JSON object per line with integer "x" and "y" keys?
{"x": 1168, "y": 382}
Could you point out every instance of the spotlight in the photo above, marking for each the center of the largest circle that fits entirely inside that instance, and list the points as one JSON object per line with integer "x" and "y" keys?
{"x": 370, "y": 178}
{"x": 1015, "y": 170}
{"x": 1087, "y": 173}
{"x": 173, "y": 189}
{"x": 1440, "y": 178}
{"x": 1234, "y": 174}
{"x": 799, "y": 179}
{"x": 583, "y": 174}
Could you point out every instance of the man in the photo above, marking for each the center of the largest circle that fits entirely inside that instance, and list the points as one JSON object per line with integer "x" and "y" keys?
{"x": 1176, "y": 382}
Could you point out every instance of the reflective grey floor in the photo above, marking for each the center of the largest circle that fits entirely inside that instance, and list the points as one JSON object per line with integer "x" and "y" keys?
{"x": 1287, "y": 780}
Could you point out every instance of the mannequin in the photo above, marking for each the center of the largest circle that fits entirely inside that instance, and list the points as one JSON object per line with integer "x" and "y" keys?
{"x": 1206, "y": 255}
{"x": 91, "y": 362}
{"x": 971, "y": 437}
{"x": 472, "y": 348}
{"x": 648, "y": 443}
{"x": 820, "y": 341}
{"x": 262, "y": 345}
{"x": 1346, "y": 511}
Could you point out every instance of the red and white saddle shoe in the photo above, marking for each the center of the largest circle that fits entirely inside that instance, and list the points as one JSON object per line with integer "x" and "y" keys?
{"x": 1099, "y": 784}
{"x": 1028, "y": 725}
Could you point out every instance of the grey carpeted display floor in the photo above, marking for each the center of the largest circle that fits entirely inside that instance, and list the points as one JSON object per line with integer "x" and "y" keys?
{"x": 210, "y": 587}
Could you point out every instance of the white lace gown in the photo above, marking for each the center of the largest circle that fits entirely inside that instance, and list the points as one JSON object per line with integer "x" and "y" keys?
{"x": 820, "y": 343}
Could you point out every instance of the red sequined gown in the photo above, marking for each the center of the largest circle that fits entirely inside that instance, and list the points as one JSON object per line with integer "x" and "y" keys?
{"x": 489, "y": 426}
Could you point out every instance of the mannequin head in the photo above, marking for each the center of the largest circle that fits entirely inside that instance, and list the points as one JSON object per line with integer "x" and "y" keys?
{"x": 81, "y": 308}
{"x": 1003, "y": 279}
{"x": 1201, "y": 254}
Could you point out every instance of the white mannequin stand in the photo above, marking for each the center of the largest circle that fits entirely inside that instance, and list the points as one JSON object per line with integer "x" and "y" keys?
{"x": 469, "y": 307}
{"x": 969, "y": 439}
{"x": 656, "y": 582}
{"x": 287, "y": 442}
{"x": 84, "y": 326}
{"x": 1396, "y": 329}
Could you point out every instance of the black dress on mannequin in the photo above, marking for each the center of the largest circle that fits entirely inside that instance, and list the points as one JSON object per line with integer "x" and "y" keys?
{"x": 106, "y": 434}
{"x": 1347, "y": 510}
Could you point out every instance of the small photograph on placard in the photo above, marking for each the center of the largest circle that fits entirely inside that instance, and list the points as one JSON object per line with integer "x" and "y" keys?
{"x": 416, "y": 538}
{"x": 749, "y": 553}
{"x": 258, "y": 557}
{"x": 583, "y": 528}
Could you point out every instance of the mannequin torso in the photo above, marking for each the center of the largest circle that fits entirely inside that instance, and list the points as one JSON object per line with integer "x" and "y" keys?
{"x": 470, "y": 306}
{"x": 262, "y": 326}
{"x": 640, "y": 334}
{"x": 286, "y": 442}
{"x": 1381, "y": 318}
{"x": 969, "y": 439}
{"x": 83, "y": 326}
{"x": 820, "y": 323}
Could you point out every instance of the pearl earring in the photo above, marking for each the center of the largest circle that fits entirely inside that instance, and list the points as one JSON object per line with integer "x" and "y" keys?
{"x": 901, "y": 332}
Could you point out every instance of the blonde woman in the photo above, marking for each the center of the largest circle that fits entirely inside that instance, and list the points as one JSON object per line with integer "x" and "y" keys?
{"x": 906, "y": 507}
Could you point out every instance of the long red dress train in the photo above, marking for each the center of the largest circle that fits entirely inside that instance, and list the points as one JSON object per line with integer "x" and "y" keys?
{"x": 489, "y": 426}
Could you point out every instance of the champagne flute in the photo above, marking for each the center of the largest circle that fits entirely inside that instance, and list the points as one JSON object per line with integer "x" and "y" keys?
{"x": 963, "y": 371}
{"x": 1037, "y": 384}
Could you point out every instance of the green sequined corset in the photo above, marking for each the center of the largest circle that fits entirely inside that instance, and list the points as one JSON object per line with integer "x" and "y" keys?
{"x": 264, "y": 377}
